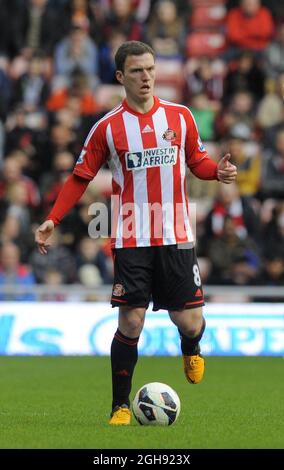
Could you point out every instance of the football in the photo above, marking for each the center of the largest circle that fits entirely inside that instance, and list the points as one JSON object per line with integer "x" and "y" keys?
{"x": 156, "y": 404}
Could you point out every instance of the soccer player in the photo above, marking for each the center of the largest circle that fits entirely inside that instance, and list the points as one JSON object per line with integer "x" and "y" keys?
{"x": 147, "y": 143}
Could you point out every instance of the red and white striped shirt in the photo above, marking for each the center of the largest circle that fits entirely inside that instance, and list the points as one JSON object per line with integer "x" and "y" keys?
{"x": 147, "y": 154}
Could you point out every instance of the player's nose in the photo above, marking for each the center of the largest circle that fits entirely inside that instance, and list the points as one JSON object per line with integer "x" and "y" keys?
{"x": 145, "y": 75}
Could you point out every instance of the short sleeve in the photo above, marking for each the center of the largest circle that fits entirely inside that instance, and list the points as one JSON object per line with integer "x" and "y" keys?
{"x": 94, "y": 153}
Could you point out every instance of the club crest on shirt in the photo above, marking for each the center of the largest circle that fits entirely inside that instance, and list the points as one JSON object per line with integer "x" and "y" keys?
{"x": 118, "y": 290}
{"x": 169, "y": 135}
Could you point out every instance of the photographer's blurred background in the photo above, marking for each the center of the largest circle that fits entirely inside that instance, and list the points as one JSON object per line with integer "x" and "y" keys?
{"x": 225, "y": 60}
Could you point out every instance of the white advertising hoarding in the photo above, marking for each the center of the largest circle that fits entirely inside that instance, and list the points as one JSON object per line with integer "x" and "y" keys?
{"x": 87, "y": 329}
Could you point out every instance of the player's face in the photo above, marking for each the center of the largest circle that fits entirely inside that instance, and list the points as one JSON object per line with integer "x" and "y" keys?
{"x": 138, "y": 77}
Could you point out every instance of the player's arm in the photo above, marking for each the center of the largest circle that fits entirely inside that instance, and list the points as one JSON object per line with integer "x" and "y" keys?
{"x": 71, "y": 192}
{"x": 92, "y": 157}
{"x": 199, "y": 161}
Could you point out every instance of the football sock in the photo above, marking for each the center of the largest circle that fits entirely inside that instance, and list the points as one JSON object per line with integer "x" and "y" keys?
{"x": 190, "y": 346}
{"x": 124, "y": 356}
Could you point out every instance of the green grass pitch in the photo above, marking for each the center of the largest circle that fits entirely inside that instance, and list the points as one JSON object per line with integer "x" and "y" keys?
{"x": 64, "y": 402}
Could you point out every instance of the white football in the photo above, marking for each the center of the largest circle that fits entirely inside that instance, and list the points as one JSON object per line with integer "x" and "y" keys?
{"x": 156, "y": 404}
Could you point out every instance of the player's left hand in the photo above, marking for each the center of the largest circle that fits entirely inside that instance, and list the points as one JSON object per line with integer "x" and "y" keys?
{"x": 226, "y": 171}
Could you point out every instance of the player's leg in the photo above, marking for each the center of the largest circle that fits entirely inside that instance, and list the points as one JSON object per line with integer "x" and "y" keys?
{"x": 124, "y": 355}
{"x": 178, "y": 289}
{"x": 131, "y": 293}
{"x": 191, "y": 326}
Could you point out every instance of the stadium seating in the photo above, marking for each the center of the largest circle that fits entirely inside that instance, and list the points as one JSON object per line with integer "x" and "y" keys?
{"x": 201, "y": 43}
{"x": 207, "y": 17}
{"x": 199, "y": 3}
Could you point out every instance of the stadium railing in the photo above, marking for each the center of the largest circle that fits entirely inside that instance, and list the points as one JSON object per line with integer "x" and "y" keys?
{"x": 102, "y": 293}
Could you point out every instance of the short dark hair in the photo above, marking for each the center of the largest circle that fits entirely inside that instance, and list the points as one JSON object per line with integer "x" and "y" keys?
{"x": 131, "y": 48}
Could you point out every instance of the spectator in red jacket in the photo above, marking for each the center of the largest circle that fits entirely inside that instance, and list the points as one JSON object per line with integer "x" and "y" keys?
{"x": 250, "y": 26}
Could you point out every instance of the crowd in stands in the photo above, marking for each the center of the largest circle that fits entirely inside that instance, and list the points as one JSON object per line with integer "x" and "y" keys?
{"x": 223, "y": 59}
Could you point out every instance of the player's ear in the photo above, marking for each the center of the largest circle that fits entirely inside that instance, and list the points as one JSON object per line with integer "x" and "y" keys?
{"x": 119, "y": 76}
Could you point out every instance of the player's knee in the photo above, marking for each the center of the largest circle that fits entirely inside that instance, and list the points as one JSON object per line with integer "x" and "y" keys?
{"x": 133, "y": 322}
{"x": 192, "y": 324}
{"x": 190, "y": 332}
{"x": 133, "y": 327}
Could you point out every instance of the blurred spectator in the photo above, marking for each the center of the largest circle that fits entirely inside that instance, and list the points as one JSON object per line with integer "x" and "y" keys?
{"x": 248, "y": 164}
{"x": 2, "y": 139}
{"x": 204, "y": 76}
{"x": 53, "y": 278}
{"x": 13, "y": 273}
{"x": 228, "y": 202}
{"x": 76, "y": 120}
{"x": 76, "y": 52}
{"x": 12, "y": 175}
{"x": 239, "y": 113}
{"x": 10, "y": 228}
{"x": 270, "y": 110}
{"x": 58, "y": 258}
{"x": 121, "y": 18}
{"x": 244, "y": 75}
{"x": 31, "y": 89}
{"x": 24, "y": 131}
{"x": 204, "y": 114}
{"x": 7, "y": 40}
{"x": 273, "y": 232}
{"x": 166, "y": 30}
{"x": 17, "y": 196}
{"x": 38, "y": 27}
{"x": 234, "y": 258}
{"x": 5, "y": 93}
{"x": 272, "y": 273}
{"x": 249, "y": 26}
{"x": 52, "y": 182}
{"x": 274, "y": 54}
{"x": 61, "y": 139}
{"x": 26, "y": 135}
{"x": 90, "y": 253}
{"x": 79, "y": 90}
{"x": 80, "y": 12}
{"x": 273, "y": 168}
{"x": 276, "y": 8}
{"x": 13, "y": 231}
{"x": 107, "y": 53}
{"x": 89, "y": 276}
{"x": 140, "y": 8}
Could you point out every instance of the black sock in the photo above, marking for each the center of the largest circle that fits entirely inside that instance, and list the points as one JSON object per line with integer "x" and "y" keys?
{"x": 190, "y": 346}
{"x": 124, "y": 356}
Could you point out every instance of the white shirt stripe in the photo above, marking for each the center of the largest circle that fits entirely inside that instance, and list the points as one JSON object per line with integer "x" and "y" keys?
{"x": 140, "y": 190}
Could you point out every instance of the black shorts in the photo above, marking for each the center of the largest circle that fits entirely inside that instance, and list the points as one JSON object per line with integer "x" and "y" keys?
{"x": 168, "y": 275}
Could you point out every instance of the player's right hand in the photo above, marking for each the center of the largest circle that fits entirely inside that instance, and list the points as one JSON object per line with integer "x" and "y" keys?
{"x": 42, "y": 234}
